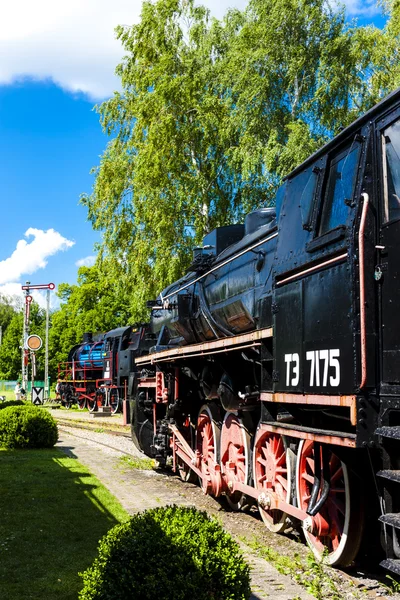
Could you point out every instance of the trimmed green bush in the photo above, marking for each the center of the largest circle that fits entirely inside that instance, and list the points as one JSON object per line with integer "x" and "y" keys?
{"x": 8, "y": 403}
{"x": 170, "y": 553}
{"x": 27, "y": 427}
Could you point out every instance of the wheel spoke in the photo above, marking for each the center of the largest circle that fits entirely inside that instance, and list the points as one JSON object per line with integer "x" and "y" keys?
{"x": 337, "y": 475}
{"x": 265, "y": 451}
{"x": 282, "y": 481}
{"x": 338, "y": 504}
{"x": 307, "y": 477}
{"x": 281, "y": 459}
{"x": 281, "y": 470}
{"x": 310, "y": 463}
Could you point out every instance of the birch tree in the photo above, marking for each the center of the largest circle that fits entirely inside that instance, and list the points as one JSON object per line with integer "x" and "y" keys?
{"x": 211, "y": 115}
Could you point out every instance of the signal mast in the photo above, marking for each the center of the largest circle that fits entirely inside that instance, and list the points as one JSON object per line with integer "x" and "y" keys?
{"x": 25, "y": 348}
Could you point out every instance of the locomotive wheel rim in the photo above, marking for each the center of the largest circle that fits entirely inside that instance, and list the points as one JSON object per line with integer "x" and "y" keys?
{"x": 336, "y": 511}
{"x": 235, "y": 448}
{"x": 272, "y": 471}
{"x": 81, "y": 403}
{"x": 93, "y": 404}
{"x": 114, "y": 400}
{"x": 207, "y": 442}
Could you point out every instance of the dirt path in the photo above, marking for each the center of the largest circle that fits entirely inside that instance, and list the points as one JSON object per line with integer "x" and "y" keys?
{"x": 137, "y": 490}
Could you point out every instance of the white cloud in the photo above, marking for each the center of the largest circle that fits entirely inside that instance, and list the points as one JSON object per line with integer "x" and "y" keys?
{"x": 15, "y": 292}
{"x": 88, "y": 261}
{"x": 71, "y": 42}
{"x": 29, "y": 257}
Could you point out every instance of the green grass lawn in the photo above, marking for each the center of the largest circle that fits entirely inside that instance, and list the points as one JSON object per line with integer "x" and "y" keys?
{"x": 53, "y": 512}
{"x": 10, "y": 395}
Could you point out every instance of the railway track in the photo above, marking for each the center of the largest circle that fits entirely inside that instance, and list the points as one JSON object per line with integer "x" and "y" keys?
{"x": 352, "y": 585}
{"x": 94, "y": 427}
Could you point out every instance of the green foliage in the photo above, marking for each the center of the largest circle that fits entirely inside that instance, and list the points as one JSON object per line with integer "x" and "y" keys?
{"x": 8, "y": 403}
{"x": 173, "y": 553}
{"x": 313, "y": 575}
{"x": 53, "y": 513}
{"x": 7, "y": 311}
{"x": 27, "y": 427}
{"x": 394, "y": 585}
{"x": 10, "y": 349}
{"x": 164, "y": 179}
{"x": 211, "y": 115}
{"x": 141, "y": 464}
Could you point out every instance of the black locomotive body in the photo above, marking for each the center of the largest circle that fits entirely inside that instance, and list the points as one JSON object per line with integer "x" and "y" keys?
{"x": 274, "y": 372}
{"x": 100, "y": 371}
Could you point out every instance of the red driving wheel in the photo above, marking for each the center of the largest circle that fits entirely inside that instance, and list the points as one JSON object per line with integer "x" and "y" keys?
{"x": 340, "y": 520}
{"x": 207, "y": 443}
{"x": 235, "y": 452}
{"x": 272, "y": 472}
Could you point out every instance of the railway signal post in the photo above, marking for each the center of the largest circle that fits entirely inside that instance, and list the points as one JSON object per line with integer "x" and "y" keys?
{"x": 25, "y": 350}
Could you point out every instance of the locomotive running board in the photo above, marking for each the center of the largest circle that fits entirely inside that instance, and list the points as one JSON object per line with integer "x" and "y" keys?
{"x": 314, "y": 400}
{"x": 238, "y": 342}
{"x": 336, "y": 438}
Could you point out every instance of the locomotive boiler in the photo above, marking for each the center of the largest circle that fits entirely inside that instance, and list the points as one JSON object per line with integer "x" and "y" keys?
{"x": 274, "y": 377}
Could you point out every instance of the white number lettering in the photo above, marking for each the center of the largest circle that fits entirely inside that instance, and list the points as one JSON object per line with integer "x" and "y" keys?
{"x": 310, "y": 355}
{"x": 324, "y": 355}
{"x": 296, "y": 369}
{"x": 335, "y": 364}
{"x": 288, "y": 360}
{"x": 330, "y": 361}
{"x": 317, "y": 380}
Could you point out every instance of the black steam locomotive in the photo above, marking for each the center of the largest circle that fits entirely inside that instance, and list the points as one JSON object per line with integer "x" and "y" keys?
{"x": 274, "y": 375}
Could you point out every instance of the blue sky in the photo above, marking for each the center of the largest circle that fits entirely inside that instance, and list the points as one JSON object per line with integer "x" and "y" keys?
{"x": 57, "y": 61}
{"x": 49, "y": 142}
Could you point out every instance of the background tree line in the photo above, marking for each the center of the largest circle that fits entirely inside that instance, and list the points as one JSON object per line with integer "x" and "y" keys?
{"x": 211, "y": 115}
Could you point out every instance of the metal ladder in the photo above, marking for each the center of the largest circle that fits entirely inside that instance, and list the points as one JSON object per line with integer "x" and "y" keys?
{"x": 390, "y": 520}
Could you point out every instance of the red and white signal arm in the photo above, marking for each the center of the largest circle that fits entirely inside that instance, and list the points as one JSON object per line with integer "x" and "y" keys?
{"x": 34, "y": 342}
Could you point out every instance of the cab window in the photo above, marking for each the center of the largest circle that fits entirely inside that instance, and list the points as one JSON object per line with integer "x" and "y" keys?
{"x": 340, "y": 186}
{"x": 391, "y": 171}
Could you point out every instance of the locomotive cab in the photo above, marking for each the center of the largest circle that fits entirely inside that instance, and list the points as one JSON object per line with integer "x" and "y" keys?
{"x": 336, "y": 269}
